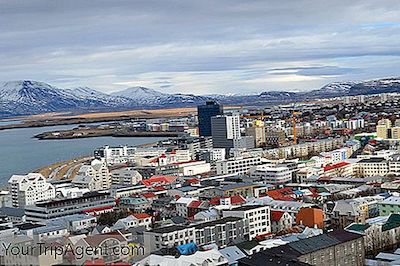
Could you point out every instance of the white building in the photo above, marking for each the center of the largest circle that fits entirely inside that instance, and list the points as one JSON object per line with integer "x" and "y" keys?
{"x": 94, "y": 176}
{"x": 239, "y": 165}
{"x": 168, "y": 236}
{"x": 125, "y": 176}
{"x": 29, "y": 189}
{"x": 272, "y": 174}
{"x": 258, "y": 218}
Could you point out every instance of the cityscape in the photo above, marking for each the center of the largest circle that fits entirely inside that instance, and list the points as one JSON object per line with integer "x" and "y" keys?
{"x": 207, "y": 152}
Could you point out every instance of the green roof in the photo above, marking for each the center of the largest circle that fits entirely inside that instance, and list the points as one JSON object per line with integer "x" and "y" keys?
{"x": 247, "y": 245}
{"x": 358, "y": 227}
{"x": 392, "y": 222}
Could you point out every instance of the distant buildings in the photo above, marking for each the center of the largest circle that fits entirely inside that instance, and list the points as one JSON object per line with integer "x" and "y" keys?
{"x": 238, "y": 165}
{"x": 225, "y": 130}
{"x": 29, "y": 189}
{"x": 205, "y": 113}
{"x": 95, "y": 176}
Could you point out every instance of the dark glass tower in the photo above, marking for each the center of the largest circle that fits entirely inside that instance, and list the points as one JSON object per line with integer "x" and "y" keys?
{"x": 205, "y": 112}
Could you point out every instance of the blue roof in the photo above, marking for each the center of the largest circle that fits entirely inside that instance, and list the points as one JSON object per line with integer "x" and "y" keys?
{"x": 187, "y": 249}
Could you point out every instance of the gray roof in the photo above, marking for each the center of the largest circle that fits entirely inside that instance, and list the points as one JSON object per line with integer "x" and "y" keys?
{"x": 14, "y": 212}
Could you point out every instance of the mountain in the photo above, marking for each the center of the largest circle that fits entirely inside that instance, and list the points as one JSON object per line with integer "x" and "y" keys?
{"x": 28, "y": 97}
{"x": 143, "y": 97}
{"x": 33, "y": 97}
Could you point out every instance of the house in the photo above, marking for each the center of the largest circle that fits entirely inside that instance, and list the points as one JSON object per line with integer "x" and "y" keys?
{"x": 134, "y": 220}
{"x": 280, "y": 221}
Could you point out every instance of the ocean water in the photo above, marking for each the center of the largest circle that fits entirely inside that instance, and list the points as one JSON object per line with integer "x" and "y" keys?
{"x": 20, "y": 152}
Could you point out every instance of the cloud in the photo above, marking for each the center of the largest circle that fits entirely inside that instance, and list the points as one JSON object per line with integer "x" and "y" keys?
{"x": 199, "y": 46}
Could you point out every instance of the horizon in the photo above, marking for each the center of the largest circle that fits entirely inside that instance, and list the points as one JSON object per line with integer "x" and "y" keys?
{"x": 208, "y": 94}
{"x": 199, "y": 47}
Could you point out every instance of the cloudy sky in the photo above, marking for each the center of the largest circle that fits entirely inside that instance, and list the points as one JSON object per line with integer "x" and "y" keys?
{"x": 201, "y": 47}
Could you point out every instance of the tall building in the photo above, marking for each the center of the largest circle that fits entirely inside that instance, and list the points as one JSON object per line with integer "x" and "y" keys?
{"x": 205, "y": 112}
{"x": 95, "y": 176}
{"x": 258, "y": 133}
{"x": 225, "y": 130}
{"x": 29, "y": 189}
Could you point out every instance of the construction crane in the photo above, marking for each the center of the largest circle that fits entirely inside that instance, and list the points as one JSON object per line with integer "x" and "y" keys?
{"x": 294, "y": 120}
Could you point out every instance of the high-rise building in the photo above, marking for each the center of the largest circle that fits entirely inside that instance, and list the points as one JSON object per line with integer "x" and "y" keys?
{"x": 205, "y": 112}
{"x": 225, "y": 130}
{"x": 258, "y": 133}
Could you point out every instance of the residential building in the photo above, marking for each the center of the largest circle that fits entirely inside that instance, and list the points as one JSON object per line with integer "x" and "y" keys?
{"x": 205, "y": 113}
{"x": 94, "y": 176}
{"x": 168, "y": 236}
{"x": 238, "y": 165}
{"x": 280, "y": 221}
{"x": 258, "y": 134}
{"x": 338, "y": 247}
{"x": 258, "y": 218}
{"x": 222, "y": 232}
{"x": 272, "y": 174}
{"x": 29, "y": 189}
{"x": 125, "y": 176}
{"x": 311, "y": 217}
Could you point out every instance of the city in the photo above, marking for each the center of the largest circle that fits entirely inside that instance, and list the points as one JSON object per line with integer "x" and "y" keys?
{"x": 199, "y": 133}
{"x": 233, "y": 187}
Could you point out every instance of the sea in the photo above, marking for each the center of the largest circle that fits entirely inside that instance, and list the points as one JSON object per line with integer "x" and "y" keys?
{"x": 21, "y": 153}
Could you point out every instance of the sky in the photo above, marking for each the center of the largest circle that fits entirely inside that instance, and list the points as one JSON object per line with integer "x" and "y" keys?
{"x": 199, "y": 47}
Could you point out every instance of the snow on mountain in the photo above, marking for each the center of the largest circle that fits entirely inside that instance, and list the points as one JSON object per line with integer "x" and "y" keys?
{"x": 148, "y": 97}
{"x": 86, "y": 93}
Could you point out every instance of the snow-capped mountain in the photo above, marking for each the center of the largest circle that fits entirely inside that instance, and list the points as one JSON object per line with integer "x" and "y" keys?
{"x": 32, "y": 97}
{"x": 148, "y": 97}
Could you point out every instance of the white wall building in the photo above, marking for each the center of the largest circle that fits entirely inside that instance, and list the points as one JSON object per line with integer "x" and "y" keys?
{"x": 258, "y": 218}
{"x": 94, "y": 176}
{"x": 272, "y": 174}
{"x": 29, "y": 189}
{"x": 239, "y": 165}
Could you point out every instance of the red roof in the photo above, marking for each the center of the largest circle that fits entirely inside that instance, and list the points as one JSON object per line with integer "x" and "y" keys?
{"x": 195, "y": 204}
{"x": 149, "y": 195}
{"x": 159, "y": 188}
{"x": 276, "y": 215}
{"x": 141, "y": 215}
{"x": 335, "y": 166}
{"x": 215, "y": 201}
{"x": 281, "y": 194}
{"x": 193, "y": 180}
{"x": 163, "y": 179}
{"x": 97, "y": 209}
{"x": 237, "y": 199}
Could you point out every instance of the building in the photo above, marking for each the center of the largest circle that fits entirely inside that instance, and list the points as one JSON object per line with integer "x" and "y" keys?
{"x": 168, "y": 237}
{"x": 29, "y": 189}
{"x": 389, "y": 205}
{"x": 115, "y": 155}
{"x": 222, "y": 232}
{"x": 211, "y": 155}
{"x": 280, "y": 221}
{"x": 372, "y": 167}
{"x": 225, "y": 130}
{"x": 338, "y": 247}
{"x": 272, "y": 174}
{"x": 311, "y": 217}
{"x": 94, "y": 176}
{"x": 258, "y": 218}
{"x": 125, "y": 176}
{"x": 238, "y": 165}
{"x": 205, "y": 113}
{"x": 258, "y": 134}
{"x": 91, "y": 202}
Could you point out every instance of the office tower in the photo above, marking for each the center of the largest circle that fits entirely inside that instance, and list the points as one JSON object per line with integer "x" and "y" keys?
{"x": 205, "y": 112}
{"x": 225, "y": 130}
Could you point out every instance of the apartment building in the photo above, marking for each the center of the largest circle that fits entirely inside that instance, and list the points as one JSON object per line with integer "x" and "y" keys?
{"x": 91, "y": 202}
{"x": 372, "y": 167}
{"x": 94, "y": 176}
{"x": 258, "y": 218}
{"x": 272, "y": 174}
{"x": 29, "y": 189}
{"x": 168, "y": 237}
{"x": 238, "y": 165}
{"x": 222, "y": 232}
{"x": 125, "y": 176}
